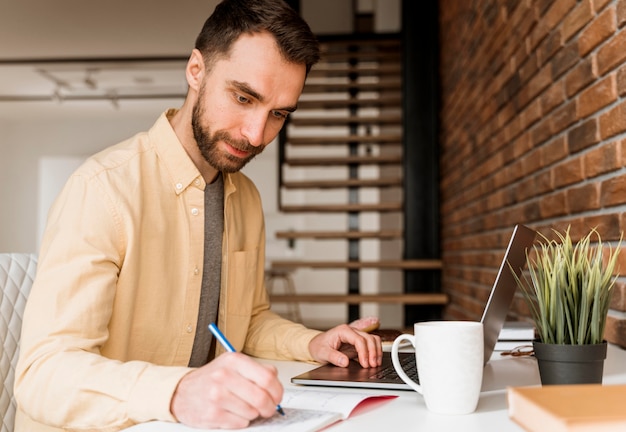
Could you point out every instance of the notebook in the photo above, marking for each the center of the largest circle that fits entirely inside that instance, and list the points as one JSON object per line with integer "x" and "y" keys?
{"x": 494, "y": 315}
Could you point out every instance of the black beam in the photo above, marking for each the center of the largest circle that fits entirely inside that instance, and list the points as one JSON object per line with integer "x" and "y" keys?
{"x": 421, "y": 149}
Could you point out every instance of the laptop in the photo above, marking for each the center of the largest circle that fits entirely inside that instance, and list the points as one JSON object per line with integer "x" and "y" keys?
{"x": 494, "y": 315}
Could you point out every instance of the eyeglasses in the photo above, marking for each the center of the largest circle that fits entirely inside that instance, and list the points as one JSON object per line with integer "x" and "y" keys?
{"x": 519, "y": 351}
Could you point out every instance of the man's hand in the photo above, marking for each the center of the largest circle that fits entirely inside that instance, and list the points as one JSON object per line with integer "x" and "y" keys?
{"x": 228, "y": 393}
{"x": 366, "y": 324}
{"x": 339, "y": 344}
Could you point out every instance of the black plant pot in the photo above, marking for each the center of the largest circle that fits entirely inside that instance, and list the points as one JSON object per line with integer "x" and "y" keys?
{"x": 570, "y": 364}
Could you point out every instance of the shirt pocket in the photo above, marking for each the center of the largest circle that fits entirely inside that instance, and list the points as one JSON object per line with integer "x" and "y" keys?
{"x": 241, "y": 283}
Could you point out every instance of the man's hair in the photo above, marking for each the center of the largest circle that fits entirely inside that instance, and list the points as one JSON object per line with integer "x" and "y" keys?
{"x": 232, "y": 18}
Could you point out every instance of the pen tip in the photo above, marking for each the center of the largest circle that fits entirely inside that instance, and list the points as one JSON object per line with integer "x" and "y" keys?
{"x": 280, "y": 410}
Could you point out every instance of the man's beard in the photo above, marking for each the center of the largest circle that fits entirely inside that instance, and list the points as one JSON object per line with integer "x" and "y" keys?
{"x": 208, "y": 144}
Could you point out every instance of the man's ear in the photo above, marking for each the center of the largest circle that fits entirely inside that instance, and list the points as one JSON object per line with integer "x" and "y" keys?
{"x": 195, "y": 70}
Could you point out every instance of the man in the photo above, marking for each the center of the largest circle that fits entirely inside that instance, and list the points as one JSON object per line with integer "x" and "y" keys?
{"x": 154, "y": 238}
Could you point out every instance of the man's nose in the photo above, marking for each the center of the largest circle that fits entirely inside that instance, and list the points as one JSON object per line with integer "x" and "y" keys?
{"x": 254, "y": 128}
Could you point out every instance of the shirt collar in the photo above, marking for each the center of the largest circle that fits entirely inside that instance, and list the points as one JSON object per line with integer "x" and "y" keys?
{"x": 182, "y": 171}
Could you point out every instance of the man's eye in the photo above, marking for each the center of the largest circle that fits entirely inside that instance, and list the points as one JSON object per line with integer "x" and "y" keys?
{"x": 279, "y": 114}
{"x": 242, "y": 99}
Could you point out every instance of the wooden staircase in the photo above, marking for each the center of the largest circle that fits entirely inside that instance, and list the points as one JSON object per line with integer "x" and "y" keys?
{"x": 345, "y": 142}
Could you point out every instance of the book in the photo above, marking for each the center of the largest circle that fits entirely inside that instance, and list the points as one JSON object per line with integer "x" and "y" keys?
{"x": 517, "y": 330}
{"x": 568, "y": 408}
{"x": 305, "y": 411}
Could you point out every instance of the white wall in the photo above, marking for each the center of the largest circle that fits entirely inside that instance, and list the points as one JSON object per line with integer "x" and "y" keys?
{"x": 25, "y": 141}
{"x": 76, "y": 28}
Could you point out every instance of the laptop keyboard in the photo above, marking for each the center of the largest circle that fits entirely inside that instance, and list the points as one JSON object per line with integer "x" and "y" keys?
{"x": 389, "y": 372}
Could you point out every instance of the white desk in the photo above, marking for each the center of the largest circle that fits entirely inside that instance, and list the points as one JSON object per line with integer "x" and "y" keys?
{"x": 408, "y": 411}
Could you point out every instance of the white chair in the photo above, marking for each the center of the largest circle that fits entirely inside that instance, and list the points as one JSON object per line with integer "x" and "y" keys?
{"x": 17, "y": 272}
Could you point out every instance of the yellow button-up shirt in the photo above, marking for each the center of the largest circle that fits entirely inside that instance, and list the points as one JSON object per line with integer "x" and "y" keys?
{"x": 110, "y": 322}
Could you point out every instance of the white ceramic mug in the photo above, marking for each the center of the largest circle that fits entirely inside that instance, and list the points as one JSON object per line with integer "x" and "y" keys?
{"x": 449, "y": 358}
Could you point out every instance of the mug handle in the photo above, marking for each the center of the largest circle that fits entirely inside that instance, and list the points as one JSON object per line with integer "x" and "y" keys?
{"x": 396, "y": 362}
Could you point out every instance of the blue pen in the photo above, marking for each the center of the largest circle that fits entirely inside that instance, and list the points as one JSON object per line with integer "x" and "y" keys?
{"x": 222, "y": 339}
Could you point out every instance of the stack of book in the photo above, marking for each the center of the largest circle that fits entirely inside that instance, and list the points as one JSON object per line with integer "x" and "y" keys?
{"x": 515, "y": 334}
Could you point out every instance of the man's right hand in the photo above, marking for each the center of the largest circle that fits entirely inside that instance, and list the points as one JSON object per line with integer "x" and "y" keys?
{"x": 228, "y": 393}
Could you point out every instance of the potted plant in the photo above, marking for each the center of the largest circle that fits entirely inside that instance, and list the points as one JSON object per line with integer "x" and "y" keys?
{"x": 568, "y": 289}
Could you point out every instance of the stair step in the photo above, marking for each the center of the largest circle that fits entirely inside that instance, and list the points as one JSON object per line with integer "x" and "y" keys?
{"x": 330, "y": 235}
{"x": 341, "y": 208}
{"x": 421, "y": 264}
{"x": 352, "y": 86}
{"x": 338, "y": 184}
{"x": 365, "y": 41}
{"x": 383, "y": 101}
{"x": 345, "y": 69}
{"x": 413, "y": 298}
{"x": 383, "y": 119}
{"x": 344, "y": 160}
{"x": 364, "y": 139}
{"x": 389, "y": 54}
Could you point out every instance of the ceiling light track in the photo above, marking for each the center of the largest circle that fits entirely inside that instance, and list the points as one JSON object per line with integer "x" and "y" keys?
{"x": 56, "y": 97}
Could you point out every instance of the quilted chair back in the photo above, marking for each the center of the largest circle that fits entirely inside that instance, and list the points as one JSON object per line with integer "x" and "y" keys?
{"x": 17, "y": 272}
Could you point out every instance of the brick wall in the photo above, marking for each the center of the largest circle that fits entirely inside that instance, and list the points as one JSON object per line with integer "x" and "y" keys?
{"x": 533, "y": 130}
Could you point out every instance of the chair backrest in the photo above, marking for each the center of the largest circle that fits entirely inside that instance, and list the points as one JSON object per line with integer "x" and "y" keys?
{"x": 17, "y": 272}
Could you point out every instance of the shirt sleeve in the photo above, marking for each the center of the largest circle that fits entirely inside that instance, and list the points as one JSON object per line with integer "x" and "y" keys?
{"x": 62, "y": 379}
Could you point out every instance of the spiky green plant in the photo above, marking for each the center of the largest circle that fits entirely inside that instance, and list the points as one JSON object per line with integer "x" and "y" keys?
{"x": 568, "y": 288}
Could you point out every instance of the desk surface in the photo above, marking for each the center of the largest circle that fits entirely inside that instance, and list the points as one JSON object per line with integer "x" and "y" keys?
{"x": 409, "y": 408}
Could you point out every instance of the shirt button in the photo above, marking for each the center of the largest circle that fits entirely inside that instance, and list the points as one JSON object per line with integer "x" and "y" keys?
{"x": 194, "y": 211}
{"x": 196, "y": 271}
{"x": 197, "y": 182}
{"x": 189, "y": 328}
{"x": 179, "y": 186}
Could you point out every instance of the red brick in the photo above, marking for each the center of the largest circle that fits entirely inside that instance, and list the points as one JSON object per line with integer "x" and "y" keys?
{"x": 552, "y": 97}
{"x": 541, "y": 6}
{"x": 584, "y": 198}
{"x": 599, "y": 95}
{"x": 557, "y": 12}
{"x": 528, "y": 68}
{"x": 612, "y": 53}
{"x": 563, "y": 117}
{"x": 598, "y": 31}
{"x": 607, "y": 225}
{"x": 544, "y": 182}
{"x": 613, "y": 122}
{"x": 601, "y": 160}
{"x": 521, "y": 145}
{"x": 530, "y": 212}
{"x": 579, "y": 77}
{"x": 565, "y": 59}
{"x": 621, "y": 81}
{"x": 535, "y": 86}
{"x": 577, "y": 19}
{"x": 553, "y": 205}
{"x": 553, "y": 151}
{"x": 583, "y": 135}
{"x": 615, "y": 331}
{"x": 614, "y": 191}
{"x": 618, "y": 299}
{"x": 542, "y": 131}
{"x": 549, "y": 47}
{"x": 621, "y": 13}
{"x": 531, "y": 114}
{"x": 599, "y": 4}
{"x": 568, "y": 172}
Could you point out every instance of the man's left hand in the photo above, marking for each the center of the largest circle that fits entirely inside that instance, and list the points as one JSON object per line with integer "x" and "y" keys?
{"x": 339, "y": 344}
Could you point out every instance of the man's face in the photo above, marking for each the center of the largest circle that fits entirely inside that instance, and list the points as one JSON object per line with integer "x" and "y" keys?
{"x": 243, "y": 102}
